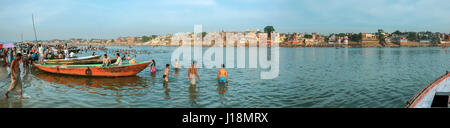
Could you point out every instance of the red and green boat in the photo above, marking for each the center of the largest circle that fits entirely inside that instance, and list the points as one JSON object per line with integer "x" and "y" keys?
{"x": 95, "y": 69}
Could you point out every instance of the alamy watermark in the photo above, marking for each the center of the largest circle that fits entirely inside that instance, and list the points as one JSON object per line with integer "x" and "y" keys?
{"x": 261, "y": 51}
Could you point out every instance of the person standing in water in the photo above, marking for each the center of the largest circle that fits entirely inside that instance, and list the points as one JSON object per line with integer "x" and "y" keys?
{"x": 16, "y": 83}
{"x": 176, "y": 66}
{"x": 192, "y": 74}
{"x": 153, "y": 66}
{"x": 222, "y": 75}
{"x": 166, "y": 73}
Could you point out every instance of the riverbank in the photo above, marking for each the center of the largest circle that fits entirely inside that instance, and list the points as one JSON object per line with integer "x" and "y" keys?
{"x": 282, "y": 45}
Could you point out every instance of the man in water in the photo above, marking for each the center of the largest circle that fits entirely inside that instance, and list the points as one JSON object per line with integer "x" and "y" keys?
{"x": 193, "y": 72}
{"x": 16, "y": 83}
{"x": 166, "y": 73}
{"x": 93, "y": 53}
{"x": 119, "y": 60}
{"x": 176, "y": 64}
{"x": 106, "y": 61}
{"x": 222, "y": 74}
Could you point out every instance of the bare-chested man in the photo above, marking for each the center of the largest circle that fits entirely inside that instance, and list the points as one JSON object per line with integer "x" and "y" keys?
{"x": 166, "y": 73}
{"x": 16, "y": 83}
{"x": 192, "y": 74}
{"x": 222, "y": 74}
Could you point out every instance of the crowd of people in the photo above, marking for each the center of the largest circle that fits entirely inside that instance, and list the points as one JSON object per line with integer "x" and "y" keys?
{"x": 30, "y": 53}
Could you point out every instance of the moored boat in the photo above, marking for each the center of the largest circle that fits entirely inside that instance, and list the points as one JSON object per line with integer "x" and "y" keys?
{"x": 435, "y": 94}
{"x": 95, "y": 69}
{"x": 74, "y": 59}
{"x": 90, "y": 61}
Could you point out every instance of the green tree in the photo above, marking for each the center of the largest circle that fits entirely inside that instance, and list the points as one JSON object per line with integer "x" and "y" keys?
{"x": 145, "y": 38}
{"x": 204, "y": 34}
{"x": 355, "y": 37}
{"x": 269, "y": 30}
{"x": 154, "y": 36}
{"x": 412, "y": 36}
{"x": 308, "y": 36}
{"x": 341, "y": 35}
{"x": 397, "y": 32}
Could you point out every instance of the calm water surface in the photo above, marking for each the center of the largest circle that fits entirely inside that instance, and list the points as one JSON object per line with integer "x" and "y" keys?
{"x": 308, "y": 77}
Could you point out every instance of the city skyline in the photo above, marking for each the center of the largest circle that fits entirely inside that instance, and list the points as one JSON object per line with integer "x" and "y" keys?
{"x": 65, "y": 19}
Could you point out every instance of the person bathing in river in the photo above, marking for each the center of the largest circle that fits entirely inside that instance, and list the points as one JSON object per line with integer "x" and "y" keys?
{"x": 176, "y": 66}
{"x": 222, "y": 75}
{"x": 16, "y": 83}
{"x": 152, "y": 66}
{"x": 192, "y": 73}
{"x": 166, "y": 73}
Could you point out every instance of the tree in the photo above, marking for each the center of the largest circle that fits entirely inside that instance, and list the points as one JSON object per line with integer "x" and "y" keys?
{"x": 154, "y": 36}
{"x": 204, "y": 34}
{"x": 355, "y": 37}
{"x": 308, "y": 36}
{"x": 269, "y": 30}
{"x": 397, "y": 32}
{"x": 412, "y": 36}
{"x": 145, "y": 38}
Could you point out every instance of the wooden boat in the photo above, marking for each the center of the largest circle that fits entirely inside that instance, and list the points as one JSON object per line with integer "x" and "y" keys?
{"x": 435, "y": 94}
{"x": 95, "y": 69}
{"x": 91, "y": 61}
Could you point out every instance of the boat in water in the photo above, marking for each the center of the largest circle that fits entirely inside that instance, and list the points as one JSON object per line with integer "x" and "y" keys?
{"x": 95, "y": 69}
{"x": 434, "y": 95}
{"x": 67, "y": 60}
{"x": 89, "y": 61}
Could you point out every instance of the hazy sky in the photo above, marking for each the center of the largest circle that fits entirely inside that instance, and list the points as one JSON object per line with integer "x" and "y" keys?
{"x": 64, "y": 19}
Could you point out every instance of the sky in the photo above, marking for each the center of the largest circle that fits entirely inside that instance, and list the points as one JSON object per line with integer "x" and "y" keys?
{"x": 65, "y": 19}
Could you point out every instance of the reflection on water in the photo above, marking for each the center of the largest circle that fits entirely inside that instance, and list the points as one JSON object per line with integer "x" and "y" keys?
{"x": 92, "y": 84}
{"x": 166, "y": 90}
{"x": 193, "y": 94}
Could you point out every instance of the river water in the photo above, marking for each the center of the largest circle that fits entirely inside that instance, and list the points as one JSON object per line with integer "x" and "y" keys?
{"x": 308, "y": 78}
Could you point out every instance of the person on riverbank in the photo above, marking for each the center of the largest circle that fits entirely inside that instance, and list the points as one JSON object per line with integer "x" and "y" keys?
{"x": 106, "y": 61}
{"x": 166, "y": 73}
{"x": 16, "y": 83}
{"x": 222, "y": 75}
{"x": 192, "y": 73}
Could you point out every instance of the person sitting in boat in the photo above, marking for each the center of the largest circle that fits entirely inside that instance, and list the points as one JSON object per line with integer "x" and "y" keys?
{"x": 61, "y": 55}
{"x": 72, "y": 54}
{"x": 106, "y": 61}
{"x": 119, "y": 60}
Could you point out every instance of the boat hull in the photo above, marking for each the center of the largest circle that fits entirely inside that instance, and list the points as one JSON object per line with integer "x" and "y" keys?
{"x": 424, "y": 98}
{"x": 113, "y": 71}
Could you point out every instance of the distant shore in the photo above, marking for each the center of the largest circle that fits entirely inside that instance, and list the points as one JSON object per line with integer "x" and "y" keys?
{"x": 282, "y": 45}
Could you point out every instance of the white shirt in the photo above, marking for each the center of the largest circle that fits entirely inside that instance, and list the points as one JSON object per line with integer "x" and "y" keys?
{"x": 41, "y": 50}
{"x": 118, "y": 61}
